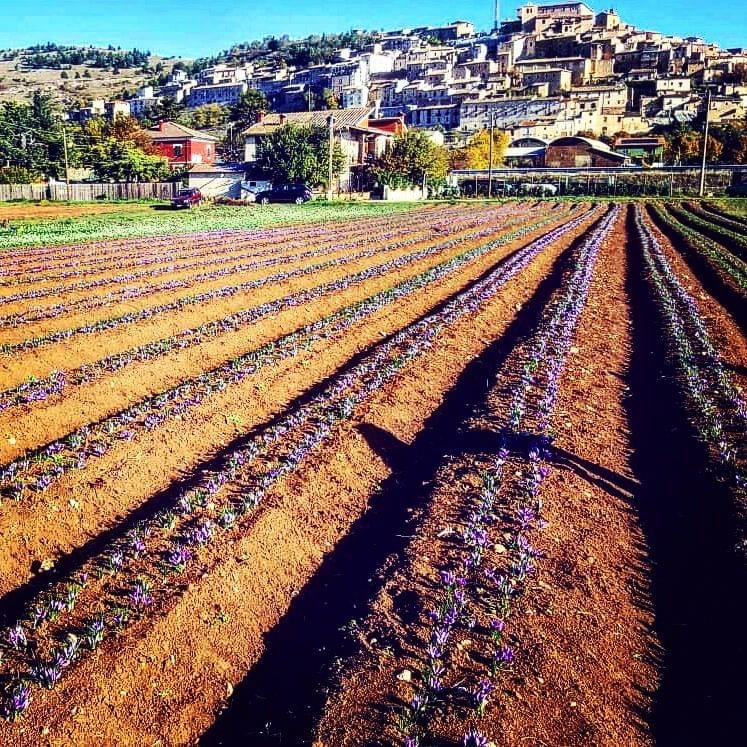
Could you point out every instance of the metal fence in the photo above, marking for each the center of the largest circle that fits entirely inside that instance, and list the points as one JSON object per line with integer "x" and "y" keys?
{"x": 664, "y": 182}
{"x": 89, "y": 192}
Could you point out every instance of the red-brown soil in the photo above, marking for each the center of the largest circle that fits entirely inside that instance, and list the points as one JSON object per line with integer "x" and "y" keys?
{"x": 264, "y": 566}
{"x": 292, "y": 627}
{"x": 41, "y": 529}
{"x": 24, "y": 212}
{"x": 584, "y": 650}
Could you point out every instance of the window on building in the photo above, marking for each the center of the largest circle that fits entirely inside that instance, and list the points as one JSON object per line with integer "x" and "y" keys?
{"x": 177, "y": 150}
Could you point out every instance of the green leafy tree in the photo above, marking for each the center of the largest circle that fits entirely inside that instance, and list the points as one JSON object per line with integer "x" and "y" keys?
{"x": 299, "y": 154}
{"x": 410, "y": 159}
{"x": 246, "y": 111}
{"x": 123, "y": 161}
{"x": 733, "y": 138}
{"x": 31, "y": 136}
{"x": 684, "y": 146}
{"x": 168, "y": 109}
{"x": 206, "y": 117}
{"x": 18, "y": 175}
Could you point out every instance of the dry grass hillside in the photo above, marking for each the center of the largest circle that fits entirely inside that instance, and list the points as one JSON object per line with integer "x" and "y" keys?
{"x": 18, "y": 81}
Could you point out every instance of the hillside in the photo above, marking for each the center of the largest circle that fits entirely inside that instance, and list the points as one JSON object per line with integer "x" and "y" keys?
{"x": 58, "y": 72}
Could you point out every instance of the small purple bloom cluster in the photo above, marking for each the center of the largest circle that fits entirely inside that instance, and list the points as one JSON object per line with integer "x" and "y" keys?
{"x": 471, "y": 584}
{"x": 271, "y": 455}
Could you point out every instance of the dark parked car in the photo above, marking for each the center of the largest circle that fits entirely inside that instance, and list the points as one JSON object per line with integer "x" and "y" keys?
{"x": 187, "y": 198}
{"x": 737, "y": 190}
{"x": 297, "y": 193}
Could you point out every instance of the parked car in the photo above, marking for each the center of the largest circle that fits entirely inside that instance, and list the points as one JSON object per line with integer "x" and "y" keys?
{"x": 737, "y": 190}
{"x": 297, "y": 193}
{"x": 187, "y": 198}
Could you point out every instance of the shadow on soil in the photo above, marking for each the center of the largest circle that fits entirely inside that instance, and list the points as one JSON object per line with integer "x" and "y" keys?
{"x": 698, "y": 581}
{"x": 280, "y": 699}
{"x": 14, "y": 603}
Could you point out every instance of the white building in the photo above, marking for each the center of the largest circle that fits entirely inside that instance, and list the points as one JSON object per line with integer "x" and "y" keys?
{"x": 222, "y": 93}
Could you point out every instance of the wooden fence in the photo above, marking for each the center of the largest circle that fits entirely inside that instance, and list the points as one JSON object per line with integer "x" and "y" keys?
{"x": 88, "y": 192}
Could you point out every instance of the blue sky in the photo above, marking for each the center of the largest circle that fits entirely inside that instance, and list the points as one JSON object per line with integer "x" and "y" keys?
{"x": 204, "y": 27}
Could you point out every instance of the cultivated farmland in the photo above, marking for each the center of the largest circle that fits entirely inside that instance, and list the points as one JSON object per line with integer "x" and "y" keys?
{"x": 460, "y": 474}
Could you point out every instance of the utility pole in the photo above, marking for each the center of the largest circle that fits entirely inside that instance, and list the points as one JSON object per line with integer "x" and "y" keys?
{"x": 497, "y": 15}
{"x": 67, "y": 165}
{"x": 701, "y": 191}
{"x": 490, "y": 155}
{"x": 331, "y": 124}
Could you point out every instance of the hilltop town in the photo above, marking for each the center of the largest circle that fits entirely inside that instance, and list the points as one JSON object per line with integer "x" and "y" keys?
{"x": 556, "y": 70}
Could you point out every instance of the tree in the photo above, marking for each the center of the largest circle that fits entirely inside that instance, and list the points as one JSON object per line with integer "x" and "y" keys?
{"x": 31, "y": 136}
{"x": 17, "y": 175}
{"x": 246, "y": 111}
{"x": 329, "y": 99}
{"x": 129, "y": 130}
{"x": 411, "y": 158}
{"x": 206, "y": 117}
{"x": 682, "y": 146}
{"x": 168, "y": 109}
{"x": 120, "y": 150}
{"x": 477, "y": 150}
{"x": 734, "y": 139}
{"x": 122, "y": 161}
{"x": 295, "y": 153}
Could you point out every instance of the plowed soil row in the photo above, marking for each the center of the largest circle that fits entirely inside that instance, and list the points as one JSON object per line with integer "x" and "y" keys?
{"x": 33, "y": 425}
{"x": 719, "y": 283}
{"x": 691, "y": 522}
{"x": 162, "y": 255}
{"x": 724, "y": 331}
{"x": 253, "y": 579}
{"x": 191, "y": 273}
{"x": 593, "y": 634}
{"x": 87, "y": 348}
{"x": 380, "y": 241}
{"x": 554, "y": 695}
{"x": 49, "y": 526}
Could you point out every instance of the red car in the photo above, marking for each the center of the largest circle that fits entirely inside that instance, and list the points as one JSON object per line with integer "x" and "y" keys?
{"x": 187, "y": 198}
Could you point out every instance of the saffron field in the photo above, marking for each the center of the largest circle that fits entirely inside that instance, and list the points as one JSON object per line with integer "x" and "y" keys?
{"x": 460, "y": 474}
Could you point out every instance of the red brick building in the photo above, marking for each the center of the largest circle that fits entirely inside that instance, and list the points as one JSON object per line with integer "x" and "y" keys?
{"x": 182, "y": 145}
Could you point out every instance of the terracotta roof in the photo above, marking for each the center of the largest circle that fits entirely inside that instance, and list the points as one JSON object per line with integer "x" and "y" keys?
{"x": 353, "y": 117}
{"x": 172, "y": 130}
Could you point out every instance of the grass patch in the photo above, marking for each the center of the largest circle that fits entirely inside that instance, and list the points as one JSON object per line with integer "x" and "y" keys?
{"x": 736, "y": 205}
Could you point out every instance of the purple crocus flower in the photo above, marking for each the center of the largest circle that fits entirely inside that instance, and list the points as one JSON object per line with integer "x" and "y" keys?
{"x": 47, "y": 675}
{"x": 474, "y": 738}
{"x": 503, "y": 655}
{"x": 481, "y": 695}
{"x": 139, "y": 595}
{"x": 19, "y": 699}
{"x": 178, "y": 558}
{"x": 419, "y": 702}
{"x": 16, "y": 636}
